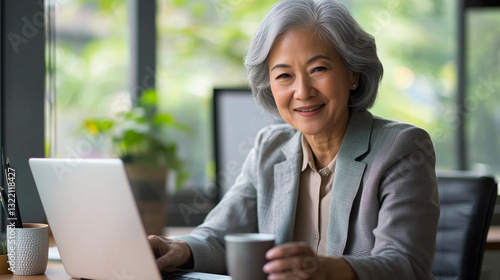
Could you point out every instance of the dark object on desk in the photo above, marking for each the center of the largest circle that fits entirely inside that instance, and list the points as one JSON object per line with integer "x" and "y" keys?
{"x": 467, "y": 203}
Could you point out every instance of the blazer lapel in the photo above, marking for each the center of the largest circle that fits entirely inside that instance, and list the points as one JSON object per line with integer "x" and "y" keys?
{"x": 286, "y": 181}
{"x": 347, "y": 179}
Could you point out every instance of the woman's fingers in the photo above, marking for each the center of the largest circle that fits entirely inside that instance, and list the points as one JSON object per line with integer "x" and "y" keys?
{"x": 292, "y": 261}
{"x": 288, "y": 249}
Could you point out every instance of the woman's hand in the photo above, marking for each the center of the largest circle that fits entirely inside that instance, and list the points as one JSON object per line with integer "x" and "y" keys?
{"x": 296, "y": 261}
{"x": 293, "y": 261}
{"x": 169, "y": 253}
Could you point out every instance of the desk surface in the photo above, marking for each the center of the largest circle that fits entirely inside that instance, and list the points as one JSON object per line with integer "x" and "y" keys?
{"x": 55, "y": 270}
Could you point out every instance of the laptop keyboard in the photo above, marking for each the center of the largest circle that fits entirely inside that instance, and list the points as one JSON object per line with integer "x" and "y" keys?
{"x": 170, "y": 276}
{"x": 178, "y": 277}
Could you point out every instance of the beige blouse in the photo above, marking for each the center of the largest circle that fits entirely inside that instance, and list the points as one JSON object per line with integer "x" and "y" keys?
{"x": 313, "y": 206}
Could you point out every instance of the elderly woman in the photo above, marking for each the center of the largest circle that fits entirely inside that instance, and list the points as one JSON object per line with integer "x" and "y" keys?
{"x": 348, "y": 195}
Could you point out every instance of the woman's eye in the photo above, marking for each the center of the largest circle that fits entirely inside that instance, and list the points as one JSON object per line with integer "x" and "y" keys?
{"x": 319, "y": 69}
{"x": 283, "y": 76}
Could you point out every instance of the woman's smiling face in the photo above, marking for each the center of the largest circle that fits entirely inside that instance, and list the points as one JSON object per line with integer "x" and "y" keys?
{"x": 310, "y": 83}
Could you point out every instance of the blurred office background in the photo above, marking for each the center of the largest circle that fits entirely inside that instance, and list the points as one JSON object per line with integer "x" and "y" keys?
{"x": 199, "y": 45}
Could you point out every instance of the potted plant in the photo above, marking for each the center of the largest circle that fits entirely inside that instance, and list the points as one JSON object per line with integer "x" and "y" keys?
{"x": 4, "y": 265}
{"x": 141, "y": 139}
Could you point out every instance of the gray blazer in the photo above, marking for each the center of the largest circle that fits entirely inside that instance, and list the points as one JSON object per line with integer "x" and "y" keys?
{"x": 384, "y": 206}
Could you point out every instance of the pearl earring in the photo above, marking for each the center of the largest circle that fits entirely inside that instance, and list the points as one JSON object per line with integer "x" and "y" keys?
{"x": 354, "y": 85}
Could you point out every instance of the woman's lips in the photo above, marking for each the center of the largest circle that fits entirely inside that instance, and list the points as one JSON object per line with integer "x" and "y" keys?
{"x": 308, "y": 111}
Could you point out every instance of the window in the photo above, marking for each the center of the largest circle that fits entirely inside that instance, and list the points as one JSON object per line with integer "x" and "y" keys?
{"x": 201, "y": 45}
{"x": 482, "y": 100}
{"x": 91, "y": 73}
{"x": 419, "y": 81}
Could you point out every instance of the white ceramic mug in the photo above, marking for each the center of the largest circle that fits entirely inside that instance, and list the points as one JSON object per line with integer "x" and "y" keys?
{"x": 246, "y": 255}
{"x": 28, "y": 249}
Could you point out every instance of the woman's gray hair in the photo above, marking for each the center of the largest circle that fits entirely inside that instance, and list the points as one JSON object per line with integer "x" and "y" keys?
{"x": 333, "y": 23}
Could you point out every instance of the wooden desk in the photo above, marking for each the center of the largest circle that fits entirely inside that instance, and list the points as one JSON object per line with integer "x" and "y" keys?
{"x": 55, "y": 271}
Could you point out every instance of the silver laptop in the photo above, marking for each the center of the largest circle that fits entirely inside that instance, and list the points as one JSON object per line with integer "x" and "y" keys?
{"x": 95, "y": 222}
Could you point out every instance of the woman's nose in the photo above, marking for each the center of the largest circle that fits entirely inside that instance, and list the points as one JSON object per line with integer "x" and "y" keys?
{"x": 303, "y": 88}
